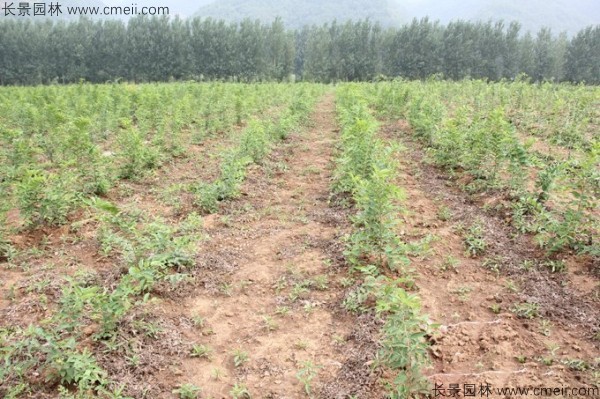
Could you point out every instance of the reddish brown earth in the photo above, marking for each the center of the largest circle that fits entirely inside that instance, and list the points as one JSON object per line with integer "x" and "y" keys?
{"x": 281, "y": 233}
{"x": 270, "y": 278}
{"x": 476, "y": 345}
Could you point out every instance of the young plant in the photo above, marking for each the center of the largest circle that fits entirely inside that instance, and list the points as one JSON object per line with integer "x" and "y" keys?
{"x": 187, "y": 391}
{"x": 201, "y": 351}
{"x": 306, "y": 374}
{"x": 240, "y": 357}
{"x": 475, "y": 242}
{"x": 240, "y": 391}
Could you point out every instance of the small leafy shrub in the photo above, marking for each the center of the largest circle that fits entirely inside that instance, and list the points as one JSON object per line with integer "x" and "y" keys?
{"x": 46, "y": 197}
{"x": 374, "y": 239}
{"x": 404, "y": 346}
{"x": 254, "y": 142}
{"x": 137, "y": 155}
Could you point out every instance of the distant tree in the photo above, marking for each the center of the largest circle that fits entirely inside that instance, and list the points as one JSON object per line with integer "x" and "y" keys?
{"x": 542, "y": 51}
{"x": 161, "y": 48}
{"x": 582, "y": 62}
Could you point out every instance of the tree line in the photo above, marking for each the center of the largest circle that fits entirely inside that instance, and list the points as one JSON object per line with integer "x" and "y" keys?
{"x": 148, "y": 49}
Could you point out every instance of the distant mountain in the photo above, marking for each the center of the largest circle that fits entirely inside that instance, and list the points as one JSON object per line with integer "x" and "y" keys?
{"x": 559, "y": 15}
{"x": 297, "y": 13}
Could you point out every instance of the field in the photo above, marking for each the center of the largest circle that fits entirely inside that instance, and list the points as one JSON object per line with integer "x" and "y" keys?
{"x": 221, "y": 240}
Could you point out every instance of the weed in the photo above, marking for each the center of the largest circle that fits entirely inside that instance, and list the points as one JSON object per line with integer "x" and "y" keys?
{"x": 339, "y": 339}
{"x": 450, "y": 262}
{"x": 545, "y": 326}
{"x": 306, "y": 374}
{"x": 269, "y": 324}
{"x": 301, "y": 344}
{"x": 475, "y": 242}
{"x": 346, "y": 282}
{"x": 552, "y": 348}
{"x": 282, "y": 311}
{"x": 239, "y": 357}
{"x": 555, "y": 266}
{"x": 198, "y": 321}
{"x": 526, "y": 310}
{"x": 280, "y": 284}
{"x": 527, "y": 265}
{"x": 576, "y": 364}
{"x": 309, "y": 307}
{"x": 240, "y": 391}
{"x": 321, "y": 282}
{"x": 463, "y": 292}
{"x": 444, "y": 213}
{"x": 201, "y": 351}
{"x": 495, "y": 308}
{"x": 299, "y": 290}
{"x": 511, "y": 286}
{"x": 226, "y": 289}
{"x": 493, "y": 264}
{"x": 217, "y": 374}
{"x": 187, "y": 391}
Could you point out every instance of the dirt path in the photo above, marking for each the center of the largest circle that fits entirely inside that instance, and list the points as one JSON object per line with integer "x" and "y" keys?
{"x": 267, "y": 276}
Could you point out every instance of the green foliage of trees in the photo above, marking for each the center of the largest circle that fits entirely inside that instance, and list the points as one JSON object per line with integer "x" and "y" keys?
{"x": 162, "y": 49}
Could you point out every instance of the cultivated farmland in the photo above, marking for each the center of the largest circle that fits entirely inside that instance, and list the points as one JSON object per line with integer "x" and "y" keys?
{"x": 368, "y": 240}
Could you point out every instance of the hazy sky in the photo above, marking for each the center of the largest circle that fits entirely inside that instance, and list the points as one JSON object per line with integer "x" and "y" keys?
{"x": 568, "y": 15}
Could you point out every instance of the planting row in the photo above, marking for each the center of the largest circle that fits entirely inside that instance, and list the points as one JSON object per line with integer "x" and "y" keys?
{"x": 89, "y": 319}
{"x": 365, "y": 176}
{"x": 480, "y": 134}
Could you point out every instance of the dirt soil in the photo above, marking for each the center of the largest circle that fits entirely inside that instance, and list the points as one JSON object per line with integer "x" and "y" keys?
{"x": 281, "y": 236}
{"x": 481, "y": 339}
{"x": 270, "y": 279}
